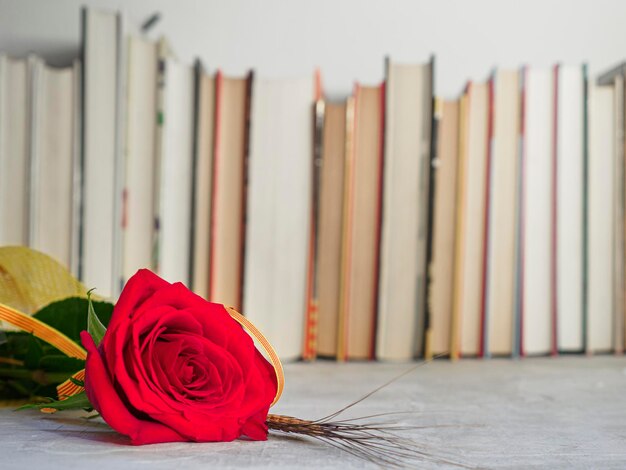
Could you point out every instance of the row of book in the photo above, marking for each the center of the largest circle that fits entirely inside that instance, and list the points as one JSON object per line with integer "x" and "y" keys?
{"x": 388, "y": 225}
{"x": 528, "y": 219}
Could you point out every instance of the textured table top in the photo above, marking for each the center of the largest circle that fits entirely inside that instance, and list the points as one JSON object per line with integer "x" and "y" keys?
{"x": 568, "y": 412}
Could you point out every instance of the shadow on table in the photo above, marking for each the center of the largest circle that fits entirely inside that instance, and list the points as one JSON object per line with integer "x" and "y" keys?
{"x": 91, "y": 430}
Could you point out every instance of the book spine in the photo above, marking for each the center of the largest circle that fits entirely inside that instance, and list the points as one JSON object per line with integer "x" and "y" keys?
{"x": 519, "y": 232}
{"x": 344, "y": 300}
{"x": 618, "y": 307}
{"x": 483, "y": 346}
{"x": 585, "y": 205}
{"x": 217, "y": 140}
{"x": 554, "y": 204}
{"x": 119, "y": 206}
{"x": 455, "y": 324}
{"x": 81, "y": 145}
{"x": 311, "y": 304}
{"x": 35, "y": 78}
{"x": 76, "y": 168}
{"x": 158, "y": 147}
{"x": 620, "y": 320}
{"x": 430, "y": 207}
{"x": 378, "y": 223}
{"x": 522, "y": 223}
{"x": 197, "y": 77}
{"x": 244, "y": 186}
{"x": 423, "y": 225}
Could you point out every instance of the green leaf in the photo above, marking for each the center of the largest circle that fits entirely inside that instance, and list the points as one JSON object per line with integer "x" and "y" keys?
{"x": 19, "y": 388}
{"x": 33, "y": 353}
{"x": 60, "y": 363}
{"x": 78, "y": 401}
{"x": 37, "y": 376}
{"x": 69, "y": 316}
{"x": 78, "y": 383}
{"x": 94, "y": 326}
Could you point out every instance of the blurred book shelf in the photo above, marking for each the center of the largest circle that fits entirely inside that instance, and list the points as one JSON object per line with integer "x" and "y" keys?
{"x": 390, "y": 225}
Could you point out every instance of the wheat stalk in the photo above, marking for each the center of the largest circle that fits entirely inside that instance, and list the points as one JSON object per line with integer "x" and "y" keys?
{"x": 376, "y": 442}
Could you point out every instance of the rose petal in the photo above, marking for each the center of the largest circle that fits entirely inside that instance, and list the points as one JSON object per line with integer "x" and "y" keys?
{"x": 143, "y": 284}
{"x": 122, "y": 355}
{"x": 256, "y": 427}
{"x": 105, "y": 399}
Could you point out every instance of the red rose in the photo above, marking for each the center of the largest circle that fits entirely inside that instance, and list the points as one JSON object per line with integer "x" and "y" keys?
{"x": 174, "y": 367}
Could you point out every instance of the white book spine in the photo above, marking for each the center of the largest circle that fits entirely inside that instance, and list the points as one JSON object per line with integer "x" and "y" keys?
{"x": 76, "y": 168}
{"x": 99, "y": 223}
{"x": 117, "y": 279}
{"x": 537, "y": 224}
{"x": 14, "y": 151}
{"x": 277, "y": 234}
{"x": 176, "y": 168}
{"x": 405, "y": 211}
{"x": 601, "y": 219}
{"x": 619, "y": 214}
{"x": 569, "y": 201}
{"x": 139, "y": 156}
{"x": 503, "y": 211}
{"x": 36, "y": 87}
{"x": 52, "y": 160}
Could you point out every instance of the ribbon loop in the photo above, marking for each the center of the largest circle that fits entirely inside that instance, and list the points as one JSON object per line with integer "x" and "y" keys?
{"x": 273, "y": 357}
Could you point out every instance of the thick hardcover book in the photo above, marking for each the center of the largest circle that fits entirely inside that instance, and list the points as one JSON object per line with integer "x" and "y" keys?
{"x": 536, "y": 288}
{"x": 600, "y": 253}
{"x": 279, "y": 209}
{"x": 140, "y": 162}
{"x": 570, "y": 155}
{"x": 616, "y": 77}
{"x": 460, "y": 223}
{"x": 364, "y": 178}
{"x": 473, "y": 186}
{"x": 14, "y": 150}
{"x": 406, "y": 211}
{"x": 176, "y": 172}
{"x": 330, "y": 222}
{"x": 54, "y": 158}
{"x": 502, "y": 231}
{"x": 101, "y": 137}
{"x": 444, "y": 226}
{"x": 228, "y": 189}
{"x": 203, "y": 179}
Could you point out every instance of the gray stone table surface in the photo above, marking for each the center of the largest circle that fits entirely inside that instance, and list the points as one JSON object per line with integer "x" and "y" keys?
{"x": 567, "y": 412}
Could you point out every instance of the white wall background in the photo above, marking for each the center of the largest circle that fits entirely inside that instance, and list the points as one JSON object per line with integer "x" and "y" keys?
{"x": 347, "y": 39}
